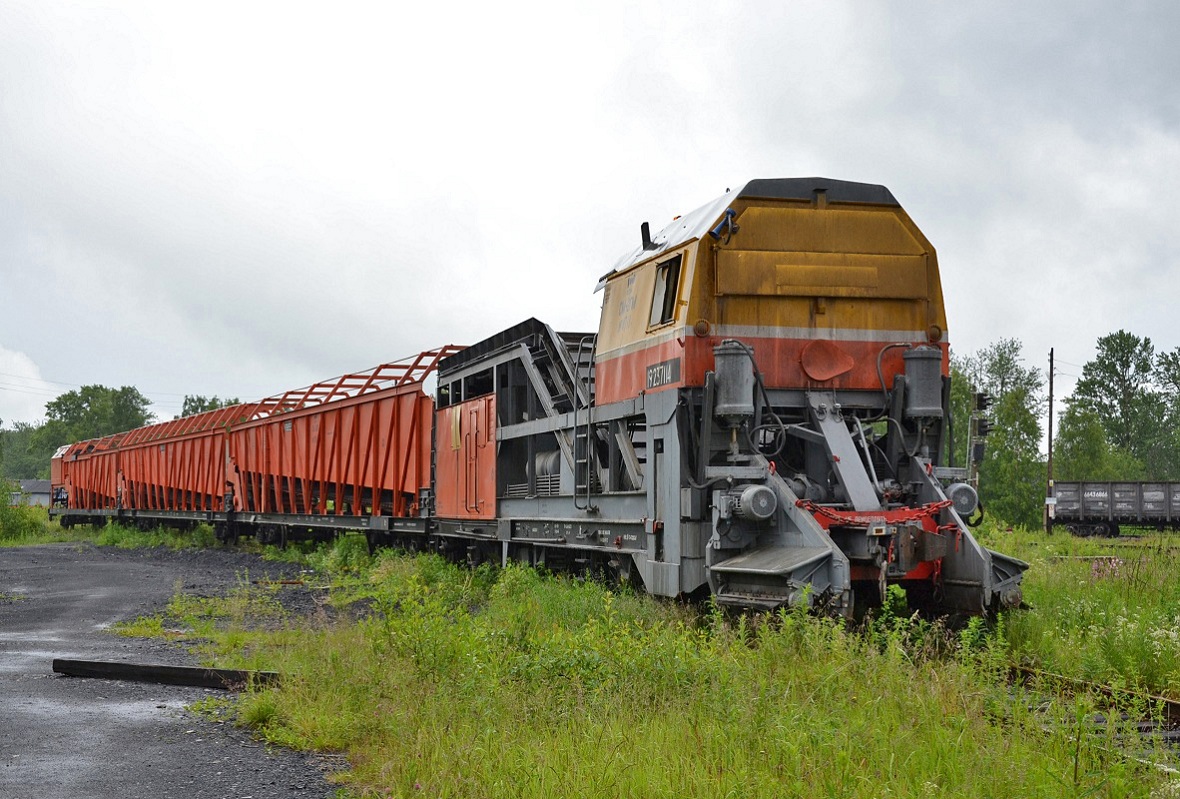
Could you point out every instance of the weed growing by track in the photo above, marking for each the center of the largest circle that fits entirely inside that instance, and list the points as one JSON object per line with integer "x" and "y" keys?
{"x": 488, "y": 683}
{"x": 21, "y": 524}
{"x": 124, "y": 537}
{"x": 1101, "y": 609}
{"x": 27, "y": 526}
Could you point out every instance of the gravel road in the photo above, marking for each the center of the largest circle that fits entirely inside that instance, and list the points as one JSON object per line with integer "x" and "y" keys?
{"x": 72, "y": 737}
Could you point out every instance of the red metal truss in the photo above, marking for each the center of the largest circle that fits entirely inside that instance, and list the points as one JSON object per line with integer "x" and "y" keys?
{"x": 189, "y": 425}
{"x": 407, "y": 371}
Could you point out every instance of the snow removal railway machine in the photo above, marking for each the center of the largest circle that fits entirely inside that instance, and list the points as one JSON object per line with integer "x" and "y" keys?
{"x": 761, "y": 416}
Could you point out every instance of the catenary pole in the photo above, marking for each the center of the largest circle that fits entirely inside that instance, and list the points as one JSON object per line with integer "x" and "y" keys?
{"x": 1049, "y": 465}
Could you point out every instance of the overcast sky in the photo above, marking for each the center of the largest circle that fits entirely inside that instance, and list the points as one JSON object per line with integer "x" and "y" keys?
{"x": 238, "y": 199}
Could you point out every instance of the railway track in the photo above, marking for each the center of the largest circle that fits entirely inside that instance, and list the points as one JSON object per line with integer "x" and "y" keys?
{"x": 1143, "y": 543}
{"x": 1169, "y": 708}
{"x": 1149, "y": 732}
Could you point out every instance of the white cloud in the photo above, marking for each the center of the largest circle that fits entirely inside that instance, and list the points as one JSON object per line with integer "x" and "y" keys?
{"x": 23, "y": 393}
{"x": 236, "y": 200}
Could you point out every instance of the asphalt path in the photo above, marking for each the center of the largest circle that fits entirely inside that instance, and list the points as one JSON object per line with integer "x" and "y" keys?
{"x": 74, "y": 737}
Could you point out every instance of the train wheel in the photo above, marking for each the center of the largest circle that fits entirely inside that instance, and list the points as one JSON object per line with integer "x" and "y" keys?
{"x": 522, "y": 554}
{"x": 626, "y": 573}
{"x": 274, "y": 535}
{"x": 921, "y": 597}
{"x": 866, "y": 598}
{"x": 221, "y": 531}
{"x": 622, "y": 565}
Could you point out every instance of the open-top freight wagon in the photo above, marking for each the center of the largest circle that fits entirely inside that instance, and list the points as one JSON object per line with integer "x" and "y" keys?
{"x": 344, "y": 454}
{"x": 760, "y": 416}
{"x": 1103, "y": 508}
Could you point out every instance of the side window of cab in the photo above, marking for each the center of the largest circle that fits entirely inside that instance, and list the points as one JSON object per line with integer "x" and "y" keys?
{"x": 663, "y": 300}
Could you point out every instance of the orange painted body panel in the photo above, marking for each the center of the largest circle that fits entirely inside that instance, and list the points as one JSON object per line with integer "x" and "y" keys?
{"x": 88, "y": 471}
{"x": 465, "y": 460}
{"x": 92, "y": 480}
{"x": 851, "y": 277}
{"x": 363, "y": 456}
{"x": 182, "y": 474}
{"x": 780, "y": 360}
{"x": 178, "y": 465}
{"x": 56, "y": 476}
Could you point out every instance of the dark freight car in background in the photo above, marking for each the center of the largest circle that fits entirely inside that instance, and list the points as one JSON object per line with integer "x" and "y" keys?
{"x": 1094, "y": 508}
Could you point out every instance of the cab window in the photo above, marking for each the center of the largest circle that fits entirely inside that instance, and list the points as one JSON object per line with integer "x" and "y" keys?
{"x": 663, "y": 301}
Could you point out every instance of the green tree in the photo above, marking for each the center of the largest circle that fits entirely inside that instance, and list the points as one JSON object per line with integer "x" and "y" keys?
{"x": 1134, "y": 395}
{"x": 1011, "y": 477}
{"x": 94, "y": 411}
{"x": 1117, "y": 386}
{"x": 90, "y": 412}
{"x": 196, "y": 403}
{"x": 999, "y": 369}
{"x": 1081, "y": 450}
{"x": 962, "y": 402}
{"x": 24, "y": 456}
{"x": 1163, "y": 456}
{"x": 1167, "y": 377}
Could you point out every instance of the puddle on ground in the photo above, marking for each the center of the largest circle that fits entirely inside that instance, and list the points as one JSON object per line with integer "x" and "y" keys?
{"x": 78, "y": 709}
{"x": 56, "y": 769}
{"x": 49, "y": 635}
{"x": 29, "y": 660}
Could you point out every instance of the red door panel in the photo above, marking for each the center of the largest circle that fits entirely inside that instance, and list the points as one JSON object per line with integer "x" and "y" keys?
{"x": 465, "y": 460}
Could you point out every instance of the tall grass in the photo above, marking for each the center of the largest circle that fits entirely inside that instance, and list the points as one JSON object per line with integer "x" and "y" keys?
{"x": 27, "y": 525}
{"x": 122, "y": 536}
{"x": 494, "y": 683}
{"x": 20, "y": 524}
{"x": 511, "y": 683}
{"x": 1101, "y": 609}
